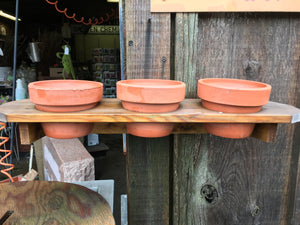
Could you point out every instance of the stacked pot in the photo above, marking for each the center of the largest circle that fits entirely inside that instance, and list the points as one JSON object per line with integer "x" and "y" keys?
{"x": 150, "y": 96}
{"x": 232, "y": 96}
{"x": 65, "y": 96}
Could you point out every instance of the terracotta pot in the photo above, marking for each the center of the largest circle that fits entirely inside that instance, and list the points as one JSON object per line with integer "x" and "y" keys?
{"x": 150, "y": 96}
{"x": 67, "y": 130}
{"x": 65, "y": 96}
{"x": 232, "y": 96}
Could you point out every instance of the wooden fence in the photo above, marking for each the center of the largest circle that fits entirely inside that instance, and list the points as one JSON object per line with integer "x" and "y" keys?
{"x": 203, "y": 179}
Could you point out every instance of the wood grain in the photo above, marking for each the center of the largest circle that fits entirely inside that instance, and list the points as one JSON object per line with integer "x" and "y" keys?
{"x": 294, "y": 206}
{"x": 30, "y": 132}
{"x": 219, "y": 181}
{"x": 147, "y": 56}
{"x": 148, "y": 180}
{"x": 265, "y": 131}
{"x": 111, "y": 111}
{"x": 44, "y": 202}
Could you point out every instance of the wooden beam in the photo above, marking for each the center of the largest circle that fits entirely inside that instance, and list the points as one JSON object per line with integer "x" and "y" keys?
{"x": 30, "y": 132}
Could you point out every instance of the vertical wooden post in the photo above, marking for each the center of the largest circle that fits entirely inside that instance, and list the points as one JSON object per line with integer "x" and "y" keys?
{"x": 147, "y": 56}
{"x": 295, "y": 166}
{"x": 223, "y": 181}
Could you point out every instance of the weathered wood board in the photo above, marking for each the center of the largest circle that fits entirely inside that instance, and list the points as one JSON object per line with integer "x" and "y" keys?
{"x": 148, "y": 180}
{"x": 295, "y": 170}
{"x": 220, "y": 181}
{"x": 147, "y": 56}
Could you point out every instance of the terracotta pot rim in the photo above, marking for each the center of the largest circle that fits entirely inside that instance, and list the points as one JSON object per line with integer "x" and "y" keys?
{"x": 151, "y": 91}
{"x": 65, "y": 92}
{"x": 137, "y": 83}
{"x": 210, "y": 82}
{"x": 236, "y": 92}
{"x": 41, "y": 85}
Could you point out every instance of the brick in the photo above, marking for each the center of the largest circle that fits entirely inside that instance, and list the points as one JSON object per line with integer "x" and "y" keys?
{"x": 67, "y": 160}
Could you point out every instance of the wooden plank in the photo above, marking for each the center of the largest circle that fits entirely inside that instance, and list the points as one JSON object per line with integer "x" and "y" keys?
{"x": 30, "y": 132}
{"x": 148, "y": 180}
{"x": 222, "y": 181}
{"x": 225, "y": 6}
{"x": 295, "y": 169}
{"x": 294, "y": 207}
{"x": 109, "y": 128}
{"x": 120, "y": 128}
{"x": 147, "y": 56}
{"x": 265, "y": 131}
{"x": 189, "y": 111}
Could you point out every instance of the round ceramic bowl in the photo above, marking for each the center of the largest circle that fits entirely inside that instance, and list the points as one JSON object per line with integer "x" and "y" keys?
{"x": 232, "y": 96}
{"x": 65, "y": 96}
{"x": 150, "y": 96}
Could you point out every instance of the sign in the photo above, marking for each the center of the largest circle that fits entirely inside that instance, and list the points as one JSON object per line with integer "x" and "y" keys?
{"x": 98, "y": 29}
{"x": 225, "y": 6}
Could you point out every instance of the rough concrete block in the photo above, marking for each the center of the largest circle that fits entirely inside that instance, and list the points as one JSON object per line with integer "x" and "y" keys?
{"x": 67, "y": 160}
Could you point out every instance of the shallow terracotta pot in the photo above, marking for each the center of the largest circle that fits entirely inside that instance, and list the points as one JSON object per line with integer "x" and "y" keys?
{"x": 150, "y": 96}
{"x": 65, "y": 96}
{"x": 232, "y": 96}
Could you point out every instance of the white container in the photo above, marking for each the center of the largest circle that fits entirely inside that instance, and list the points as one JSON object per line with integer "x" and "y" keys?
{"x": 20, "y": 90}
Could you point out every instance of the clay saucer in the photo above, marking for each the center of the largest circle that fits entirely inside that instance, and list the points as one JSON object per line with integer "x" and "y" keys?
{"x": 232, "y": 96}
{"x": 150, "y": 96}
{"x": 65, "y": 96}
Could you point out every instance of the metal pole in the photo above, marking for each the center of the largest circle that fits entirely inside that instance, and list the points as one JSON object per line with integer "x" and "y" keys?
{"x": 14, "y": 76}
{"x": 15, "y": 49}
{"x": 122, "y": 58}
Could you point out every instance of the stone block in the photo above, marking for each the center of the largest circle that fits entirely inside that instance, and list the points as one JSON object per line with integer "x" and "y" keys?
{"x": 67, "y": 160}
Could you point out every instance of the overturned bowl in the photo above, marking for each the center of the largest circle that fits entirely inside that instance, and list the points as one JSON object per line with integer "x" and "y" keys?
{"x": 65, "y": 96}
{"x": 232, "y": 96}
{"x": 150, "y": 96}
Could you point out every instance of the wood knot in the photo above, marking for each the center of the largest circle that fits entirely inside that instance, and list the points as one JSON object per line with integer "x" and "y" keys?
{"x": 209, "y": 193}
{"x": 55, "y": 202}
{"x": 251, "y": 68}
{"x": 255, "y": 211}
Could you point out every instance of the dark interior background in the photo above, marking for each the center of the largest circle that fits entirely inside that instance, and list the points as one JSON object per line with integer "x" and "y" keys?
{"x": 40, "y": 12}
{"x": 41, "y": 22}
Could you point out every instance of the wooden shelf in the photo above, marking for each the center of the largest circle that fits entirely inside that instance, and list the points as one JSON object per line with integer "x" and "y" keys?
{"x": 111, "y": 111}
{"x": 109, "y": 117}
